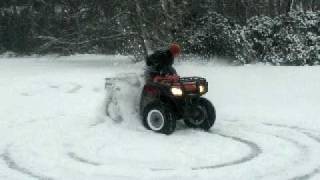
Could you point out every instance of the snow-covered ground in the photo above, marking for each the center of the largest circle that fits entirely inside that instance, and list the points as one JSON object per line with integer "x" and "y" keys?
{"x": 54, "y": 125}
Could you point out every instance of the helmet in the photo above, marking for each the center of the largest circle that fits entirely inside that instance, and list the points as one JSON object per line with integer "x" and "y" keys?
{"x": 175, "y": 49}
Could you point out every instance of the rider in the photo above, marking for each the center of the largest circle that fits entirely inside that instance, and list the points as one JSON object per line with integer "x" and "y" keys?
{"x": 161, "y": 61}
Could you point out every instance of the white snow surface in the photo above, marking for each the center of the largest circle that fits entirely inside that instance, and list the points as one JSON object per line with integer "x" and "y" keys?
{"x": 58, "y": 122}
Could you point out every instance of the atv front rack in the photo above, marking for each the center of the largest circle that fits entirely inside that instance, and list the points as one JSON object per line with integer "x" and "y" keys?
{"x": 193, "y": 84}
{"x": 193, "y": 79}
{"x": 189, "y": 85}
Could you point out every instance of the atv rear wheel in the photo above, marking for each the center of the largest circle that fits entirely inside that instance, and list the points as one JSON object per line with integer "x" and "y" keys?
{"x": 203, "y": 116}
{"x": 158, "y": 118}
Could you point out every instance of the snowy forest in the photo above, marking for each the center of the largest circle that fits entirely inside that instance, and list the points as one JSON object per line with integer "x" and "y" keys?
{"x": 278, "y": 32}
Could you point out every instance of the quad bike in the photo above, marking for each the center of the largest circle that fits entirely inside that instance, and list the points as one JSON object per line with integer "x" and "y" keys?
{"x": 165, "y": 100}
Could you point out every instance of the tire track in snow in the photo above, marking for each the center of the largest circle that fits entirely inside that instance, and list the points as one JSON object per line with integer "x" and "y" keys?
{"x": 314, "y": 171}
{"x": 75, "y": 89}
{"x": 77, "y": 158}
{"x": 9, "y": 161}
{"x": 255, "y": 151}
{"x": 306, "y": 132}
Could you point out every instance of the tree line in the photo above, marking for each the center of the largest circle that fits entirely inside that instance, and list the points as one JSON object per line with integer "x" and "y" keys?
{"x": 273, "y": 31}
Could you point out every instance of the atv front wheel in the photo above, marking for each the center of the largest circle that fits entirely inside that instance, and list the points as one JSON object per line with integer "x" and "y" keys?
{"x": 158, "y": 118}
{"x": 203, "y": 117}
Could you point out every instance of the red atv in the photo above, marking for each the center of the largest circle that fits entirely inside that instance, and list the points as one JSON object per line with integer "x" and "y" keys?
{"x": 165, "y": 100}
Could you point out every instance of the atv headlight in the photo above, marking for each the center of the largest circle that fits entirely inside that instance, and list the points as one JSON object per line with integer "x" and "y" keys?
{"x": 176, "y": 91}
{"x": 202, "y": 89}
